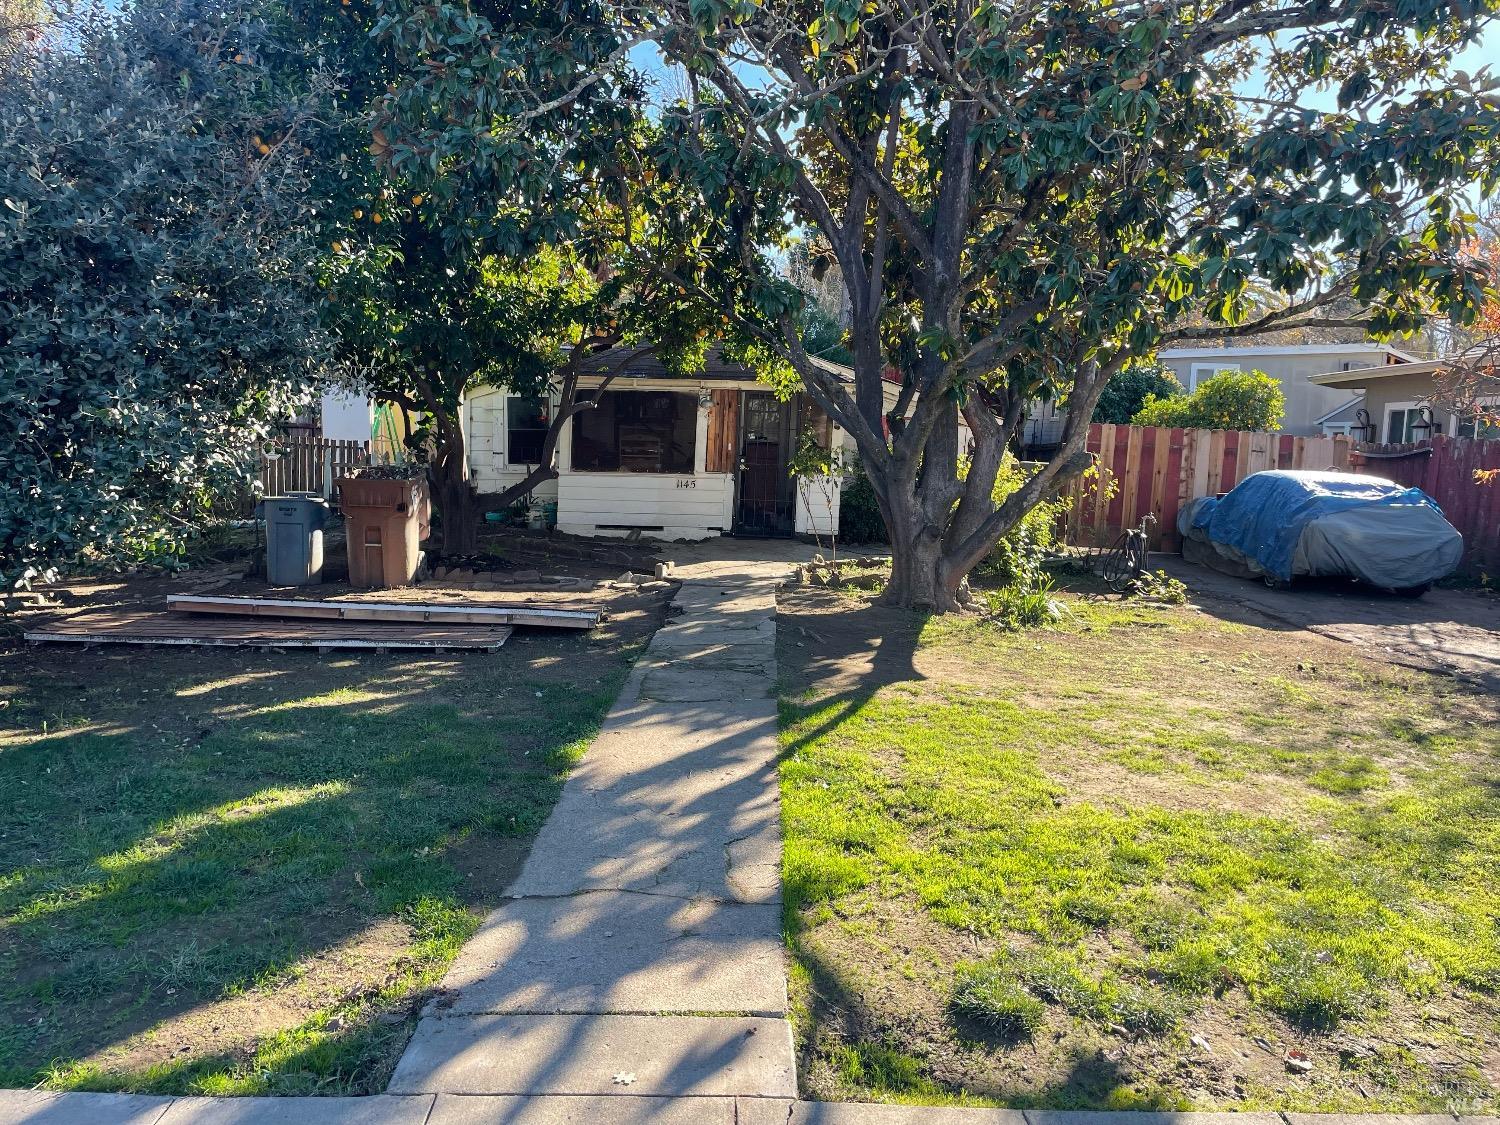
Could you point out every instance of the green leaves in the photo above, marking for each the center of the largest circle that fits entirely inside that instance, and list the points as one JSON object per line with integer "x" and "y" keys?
{"x": 159, "y": 316}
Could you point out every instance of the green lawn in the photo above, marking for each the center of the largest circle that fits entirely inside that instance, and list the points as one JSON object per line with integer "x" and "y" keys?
{"x": 238, "y": 872}
{"x": 1132, "y": 861}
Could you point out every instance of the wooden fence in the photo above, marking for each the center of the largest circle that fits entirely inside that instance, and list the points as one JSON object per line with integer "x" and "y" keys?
{"x": 1444, "y": 468}
{"x": 310, "y": 464}
{"x": 1156, "y": 470}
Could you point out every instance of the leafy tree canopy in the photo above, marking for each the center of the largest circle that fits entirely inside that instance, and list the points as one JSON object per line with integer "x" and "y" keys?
{"x": 158, "y": 316}
{"x": 1230, "y": 400}
{"x": 1020, "y": 198}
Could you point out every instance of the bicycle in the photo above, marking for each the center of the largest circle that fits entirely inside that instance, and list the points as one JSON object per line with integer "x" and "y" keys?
{"x": 1125, "y": 562}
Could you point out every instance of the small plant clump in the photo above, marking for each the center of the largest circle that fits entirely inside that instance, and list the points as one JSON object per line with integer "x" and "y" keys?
{"x": 991, "y": 996}
{"x": 1024, "y": 605}
{"x": 1158, "y": 586}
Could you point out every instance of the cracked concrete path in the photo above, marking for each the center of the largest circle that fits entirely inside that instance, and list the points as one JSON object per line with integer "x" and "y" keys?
{"x": 640, "y": 952}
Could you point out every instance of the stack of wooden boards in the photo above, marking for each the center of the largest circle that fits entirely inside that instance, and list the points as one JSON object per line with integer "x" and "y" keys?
{"x": 293, "y": 623}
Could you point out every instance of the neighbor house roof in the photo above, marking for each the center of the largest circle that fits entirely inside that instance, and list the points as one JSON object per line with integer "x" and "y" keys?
{"x": 1337, "y": 410}
{"x": 1288, "y": 349}
{"x": 1360, "y": 376}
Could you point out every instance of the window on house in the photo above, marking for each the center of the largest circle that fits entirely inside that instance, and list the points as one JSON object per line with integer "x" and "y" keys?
{"x": 637, "y": 432}
{"x": 1399, "y": 419}
{"x": 526, "y": 422}
{"x": 1480, "y": 422}
{"x": 1201, "y": 371}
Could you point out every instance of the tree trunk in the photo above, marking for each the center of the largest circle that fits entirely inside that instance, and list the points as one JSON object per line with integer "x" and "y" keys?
{"x": 458, "y": 505}
{"x": 920, "y": 577}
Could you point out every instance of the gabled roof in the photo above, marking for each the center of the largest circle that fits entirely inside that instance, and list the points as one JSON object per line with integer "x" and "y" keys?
{"x": 1337, "y": 410}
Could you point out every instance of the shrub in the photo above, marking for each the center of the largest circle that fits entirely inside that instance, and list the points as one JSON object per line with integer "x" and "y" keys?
{"x": 160, "y": 313}
{"x": 1017, "y": 558}
{"x": 1127, "y": 392}
{"x": 1024, "y": 606}
{"x": 1231, "y": 400}
{"x": 860, "y": 520}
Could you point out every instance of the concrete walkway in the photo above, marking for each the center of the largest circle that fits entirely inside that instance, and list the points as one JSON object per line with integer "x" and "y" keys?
{"x": 640, "y": 954}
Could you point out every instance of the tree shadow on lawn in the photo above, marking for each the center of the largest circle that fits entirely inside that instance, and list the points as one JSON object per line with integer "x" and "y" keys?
{"x": 211, "y": 829}
{"x": 873, "y": 1061}
{"x": 843, "y": 651}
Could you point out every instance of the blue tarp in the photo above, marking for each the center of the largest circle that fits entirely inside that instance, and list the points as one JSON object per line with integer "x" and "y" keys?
{"x": 1264, "y": 515}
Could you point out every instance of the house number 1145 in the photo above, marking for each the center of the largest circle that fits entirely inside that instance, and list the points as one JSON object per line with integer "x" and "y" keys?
{"x": 688, "y": 483}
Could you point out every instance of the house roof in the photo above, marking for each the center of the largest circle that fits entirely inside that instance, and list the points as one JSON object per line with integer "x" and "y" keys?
{"x": 1339, "y": 409}
{"x": 715, "y": 367}
{"x": 1360, "y": 376}
{"x": 1288, "y": 349}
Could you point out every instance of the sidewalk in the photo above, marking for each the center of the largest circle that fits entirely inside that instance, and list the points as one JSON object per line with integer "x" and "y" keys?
{"x": 640, "y": 954}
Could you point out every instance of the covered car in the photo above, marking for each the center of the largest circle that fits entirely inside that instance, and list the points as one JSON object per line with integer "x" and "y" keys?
{"x": 1285, "y": 524}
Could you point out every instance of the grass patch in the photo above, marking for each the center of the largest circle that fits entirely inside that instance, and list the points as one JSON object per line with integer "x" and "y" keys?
{"x": 241, "y": 872}
{"x": 1141, "y": 825}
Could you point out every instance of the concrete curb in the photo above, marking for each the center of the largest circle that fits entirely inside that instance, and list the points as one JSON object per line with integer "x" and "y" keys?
{"x": 42, "y": 1107}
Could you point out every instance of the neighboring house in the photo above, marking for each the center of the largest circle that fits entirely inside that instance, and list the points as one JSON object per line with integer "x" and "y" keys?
{"x": 1399, "y": 402}
{"x": 1311, "y": 407}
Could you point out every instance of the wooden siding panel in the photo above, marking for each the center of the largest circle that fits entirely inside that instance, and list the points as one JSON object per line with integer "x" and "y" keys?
{"x": 723, "y": 432}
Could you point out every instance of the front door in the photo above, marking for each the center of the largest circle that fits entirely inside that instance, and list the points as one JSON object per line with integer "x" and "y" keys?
{"x": 766, "y": 492}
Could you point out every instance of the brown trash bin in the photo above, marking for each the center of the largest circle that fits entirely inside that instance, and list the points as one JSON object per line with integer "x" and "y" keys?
{"x": 385, "y": 521}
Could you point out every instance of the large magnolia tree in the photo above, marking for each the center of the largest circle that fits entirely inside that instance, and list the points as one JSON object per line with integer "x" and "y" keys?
{"x": 1018, "y": 197}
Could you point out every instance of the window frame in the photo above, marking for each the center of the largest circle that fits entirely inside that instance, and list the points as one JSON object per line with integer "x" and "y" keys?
{"x": 693, "y": 407}
{"x": 1196, "y": 369}
{"x": 505, "y": 421}
{"x": 1408, "y": 407}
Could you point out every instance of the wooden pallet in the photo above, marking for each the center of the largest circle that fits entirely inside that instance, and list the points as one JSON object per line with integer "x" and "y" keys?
{"x": 145, "y": 627}
{"x": 445, "y": 613}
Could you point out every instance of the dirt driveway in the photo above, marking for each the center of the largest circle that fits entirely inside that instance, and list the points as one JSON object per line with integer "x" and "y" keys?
{"x": 1453, "y": 631}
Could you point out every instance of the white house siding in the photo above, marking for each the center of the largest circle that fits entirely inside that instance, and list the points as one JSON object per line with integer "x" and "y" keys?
{"x": 661, "y": 505}
{"x": 484, "y": 425}
{"x": 1292, "y": 367}
{"x": 346, "y": 417}
{"x": 818, "y": 506}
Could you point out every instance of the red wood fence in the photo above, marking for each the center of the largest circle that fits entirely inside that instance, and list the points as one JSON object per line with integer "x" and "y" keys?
{"x": 308, "y": 464}
{"x": 1156, "y": 470}
{"x": 1444, "y": 468}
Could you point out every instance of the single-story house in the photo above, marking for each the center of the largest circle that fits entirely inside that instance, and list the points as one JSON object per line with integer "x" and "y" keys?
{"x": 1399, "y": 402}
{"x": 1311, "y": 410}
{"x": 1312, "y": 407}
{"x": 667, "y": 457}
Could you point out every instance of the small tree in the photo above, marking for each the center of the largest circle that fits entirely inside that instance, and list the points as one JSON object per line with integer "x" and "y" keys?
{"x": 1230, "y": 400}
{"x": 1128, "y": 391}
{"x": 158, "y": 316}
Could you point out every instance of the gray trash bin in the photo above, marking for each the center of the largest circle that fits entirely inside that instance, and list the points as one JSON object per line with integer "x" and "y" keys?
{"x": 294, "y": 537}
